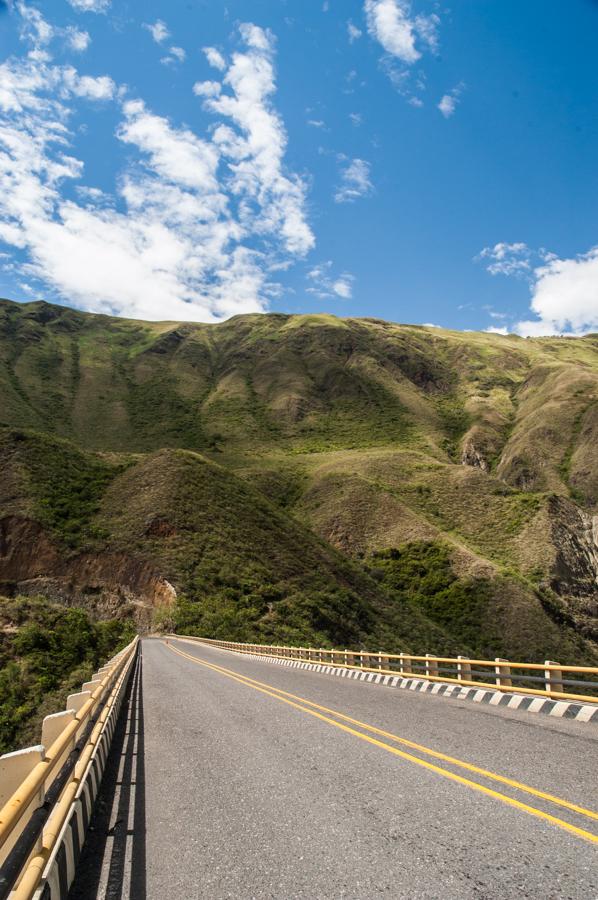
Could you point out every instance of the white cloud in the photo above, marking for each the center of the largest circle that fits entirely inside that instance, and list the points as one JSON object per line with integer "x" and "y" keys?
{"x": 94, "y": 195}
{"x": 389, "y": 22}
{"x": 255, "y": 150}
{"x": 355, "y": 182}
{"x": 95, "y": 6}
{"x": 195, "y": 226}
{"x": 99, "y": 88}
{"x": 353, "y": 32}
{"x": 33, "y": 26}
{"x": 178, "y": 156}
{"x": 207, "y": 88}
{"x": 493, "y": 329}
{"x": 448, "y": 103}
{"x": 159, "y": 30}
{"x": 40, "y": 33}
{"x": 343, "y": 286}
{"x": 77, "y": 40}
{"x": 427, "y": 29}
{"x": 316, "y": 123}
{"x": 564, "y": 292}
{"x": 175, "y": 54}
{"x": 404, "y": 38}
{"x": 564, "y": 296}
{"x": 507, "y": 259}
{"x": 323, "y": 285}
{"x": 215, "y": 58}
{"x": 356, "y": 119}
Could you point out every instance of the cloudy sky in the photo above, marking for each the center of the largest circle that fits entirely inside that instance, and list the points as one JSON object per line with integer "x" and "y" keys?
{"x": 426, "y": 162}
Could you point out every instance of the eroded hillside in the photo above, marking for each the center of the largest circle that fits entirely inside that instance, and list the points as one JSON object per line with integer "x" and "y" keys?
{"x": 258, "y": 468}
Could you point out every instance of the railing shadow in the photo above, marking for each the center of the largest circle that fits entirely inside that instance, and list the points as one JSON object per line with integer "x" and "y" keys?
{"x": 112, "y": 863}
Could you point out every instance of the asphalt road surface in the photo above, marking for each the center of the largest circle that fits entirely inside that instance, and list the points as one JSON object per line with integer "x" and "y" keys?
{"x": 236, "y": 778}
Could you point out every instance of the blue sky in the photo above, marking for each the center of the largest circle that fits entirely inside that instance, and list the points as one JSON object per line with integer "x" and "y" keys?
{"x": 420, "y": 162}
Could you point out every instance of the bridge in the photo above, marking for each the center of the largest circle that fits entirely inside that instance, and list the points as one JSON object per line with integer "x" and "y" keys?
{"x": 195, "y": 768}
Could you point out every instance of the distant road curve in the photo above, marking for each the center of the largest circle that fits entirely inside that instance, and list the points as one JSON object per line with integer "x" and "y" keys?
{"x": 238, "y": 779}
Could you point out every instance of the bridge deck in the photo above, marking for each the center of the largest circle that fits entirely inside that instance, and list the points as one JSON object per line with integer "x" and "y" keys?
{"x": 222, "y": 787}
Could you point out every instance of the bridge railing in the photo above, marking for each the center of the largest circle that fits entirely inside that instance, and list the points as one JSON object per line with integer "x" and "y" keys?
{"x": 548, "y": 679}
{"x": 40, "y": 786}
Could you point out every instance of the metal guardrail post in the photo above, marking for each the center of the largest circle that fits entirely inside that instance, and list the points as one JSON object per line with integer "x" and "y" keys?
{"x": 503, "y": 673}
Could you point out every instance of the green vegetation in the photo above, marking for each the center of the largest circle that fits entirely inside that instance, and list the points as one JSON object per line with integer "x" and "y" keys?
{"x": 64, "y": 484}
{"x": 46, "y": 652}
{"x": 455, "y": 422}
{"x": 244, "y": 568}
{"x": 421, "y": 574}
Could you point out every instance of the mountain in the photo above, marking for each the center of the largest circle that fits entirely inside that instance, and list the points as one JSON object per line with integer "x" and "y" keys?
{"x": 345, "y": 481}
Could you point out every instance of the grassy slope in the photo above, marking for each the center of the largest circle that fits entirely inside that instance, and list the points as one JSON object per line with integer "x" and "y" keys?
{"x": 249, "y": 568}
{"x": 304, "y": 384}
{"x": 246, "y": 570}
{"x": 355, "y": 426}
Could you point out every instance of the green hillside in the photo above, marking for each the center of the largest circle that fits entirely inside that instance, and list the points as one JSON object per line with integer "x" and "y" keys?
{"x": 304, "y": 478}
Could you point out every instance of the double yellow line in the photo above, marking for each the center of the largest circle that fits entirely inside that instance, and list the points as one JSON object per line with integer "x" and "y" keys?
{"x": 324, "y": 713}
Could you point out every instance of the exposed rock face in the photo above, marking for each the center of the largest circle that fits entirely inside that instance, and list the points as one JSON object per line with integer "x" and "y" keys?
{"x": 25, "y": 550}
{"x": 575, "y": 569}
{"x": 111, "y": 584}
{"x": 471, "y": 456}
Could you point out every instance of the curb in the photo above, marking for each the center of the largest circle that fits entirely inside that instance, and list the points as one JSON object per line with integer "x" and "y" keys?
{"x": 562, "y": 709}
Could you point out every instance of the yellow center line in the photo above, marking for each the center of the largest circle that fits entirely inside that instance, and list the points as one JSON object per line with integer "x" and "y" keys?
{"x": 474, "y": 785}
{"x": 581, "y": 810}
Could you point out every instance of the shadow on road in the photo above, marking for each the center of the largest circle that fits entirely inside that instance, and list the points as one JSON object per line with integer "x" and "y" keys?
{"x": 112, "y": 864}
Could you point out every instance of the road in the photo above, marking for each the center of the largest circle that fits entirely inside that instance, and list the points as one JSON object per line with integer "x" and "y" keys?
{"x": 222, "y": 786}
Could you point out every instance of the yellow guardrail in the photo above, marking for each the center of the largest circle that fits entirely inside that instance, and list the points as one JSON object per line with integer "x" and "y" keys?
{"x": 550, "y": 678}
{"x": 27, "y": 776}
